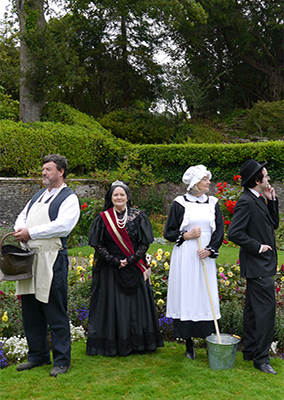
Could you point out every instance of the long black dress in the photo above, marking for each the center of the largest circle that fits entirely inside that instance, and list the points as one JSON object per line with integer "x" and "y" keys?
{"x": 123, "y": 317}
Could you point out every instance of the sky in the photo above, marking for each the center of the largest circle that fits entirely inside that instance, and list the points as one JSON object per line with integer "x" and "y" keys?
{"x": 3, "y": 4}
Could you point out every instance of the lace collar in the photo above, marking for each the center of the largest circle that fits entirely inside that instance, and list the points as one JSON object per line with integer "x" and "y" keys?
{"x": 193, "y": 199}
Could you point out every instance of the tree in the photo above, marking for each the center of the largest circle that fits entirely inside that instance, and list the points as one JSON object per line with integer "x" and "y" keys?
{"x": 32, "y": 21}
{"x": 9, "y": 60}
{"x": 124, "y": 68}
{"x": 244, "y": 38}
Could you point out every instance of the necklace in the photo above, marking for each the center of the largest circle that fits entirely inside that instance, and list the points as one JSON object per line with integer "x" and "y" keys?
{"x": 121, "y": 222}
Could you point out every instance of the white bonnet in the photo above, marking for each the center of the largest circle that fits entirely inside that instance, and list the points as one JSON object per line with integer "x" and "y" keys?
{"x": 194, "y": 175}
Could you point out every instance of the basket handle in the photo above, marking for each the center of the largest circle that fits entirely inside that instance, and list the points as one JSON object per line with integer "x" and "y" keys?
{"x": 4, "y": 237}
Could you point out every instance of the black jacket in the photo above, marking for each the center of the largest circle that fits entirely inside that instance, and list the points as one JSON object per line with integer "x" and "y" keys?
{"x": 253, "y": 224}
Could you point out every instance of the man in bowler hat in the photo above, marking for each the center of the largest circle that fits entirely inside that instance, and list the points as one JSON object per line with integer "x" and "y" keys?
{"x": 252, "y": 228}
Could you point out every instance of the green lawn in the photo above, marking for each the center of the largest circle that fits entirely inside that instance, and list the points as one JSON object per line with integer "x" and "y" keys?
{"x": 164, "y": 374}
{"x": 228, "y": 254}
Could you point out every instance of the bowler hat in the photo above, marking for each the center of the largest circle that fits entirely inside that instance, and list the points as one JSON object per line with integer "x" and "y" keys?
{"x": 249, "y": 168}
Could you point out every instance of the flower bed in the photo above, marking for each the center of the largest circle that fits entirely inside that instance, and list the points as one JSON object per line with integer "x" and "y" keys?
{"x": 13, "y": 346}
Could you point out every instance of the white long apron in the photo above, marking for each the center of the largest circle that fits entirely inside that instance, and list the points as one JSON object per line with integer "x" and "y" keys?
{"x": 45, "y": 257}
{"x": 188, "y": 298}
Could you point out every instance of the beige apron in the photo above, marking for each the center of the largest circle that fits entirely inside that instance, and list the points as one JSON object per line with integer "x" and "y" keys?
{"x": 46, "y": 254}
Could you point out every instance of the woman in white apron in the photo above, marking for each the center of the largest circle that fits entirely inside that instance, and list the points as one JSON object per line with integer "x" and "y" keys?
{"x": 191, "y": 216}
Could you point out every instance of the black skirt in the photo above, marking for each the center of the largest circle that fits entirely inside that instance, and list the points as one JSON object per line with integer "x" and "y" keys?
{"x": 187, "y": 329}
{"x": 121, "y": 323}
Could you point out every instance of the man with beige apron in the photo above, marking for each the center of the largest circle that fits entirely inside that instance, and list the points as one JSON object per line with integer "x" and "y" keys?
{"x": 45, "y": 224}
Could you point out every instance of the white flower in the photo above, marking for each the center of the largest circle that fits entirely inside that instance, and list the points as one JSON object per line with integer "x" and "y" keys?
{"x": 16, "y": 348}
{"x": 77, "y": 333}
{"x": 273, "y": 347}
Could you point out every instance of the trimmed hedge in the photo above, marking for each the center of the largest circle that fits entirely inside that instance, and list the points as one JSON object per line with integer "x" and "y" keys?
{"x": 87, "y": 146}
{"x": 223, "y": 160}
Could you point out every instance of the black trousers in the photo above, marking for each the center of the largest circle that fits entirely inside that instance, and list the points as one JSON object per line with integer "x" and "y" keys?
{"x": 259, "y": 319}
{"x": 37, "y": 316}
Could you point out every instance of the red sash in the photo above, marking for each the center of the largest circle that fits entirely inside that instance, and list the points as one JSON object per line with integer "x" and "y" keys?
{"x": 121, "y": 237}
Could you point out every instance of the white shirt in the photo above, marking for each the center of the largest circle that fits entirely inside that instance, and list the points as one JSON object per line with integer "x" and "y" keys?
{"x": 67, "y": 218}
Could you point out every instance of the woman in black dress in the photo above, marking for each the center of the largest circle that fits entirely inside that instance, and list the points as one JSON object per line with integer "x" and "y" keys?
{"x": 123, "y": 317}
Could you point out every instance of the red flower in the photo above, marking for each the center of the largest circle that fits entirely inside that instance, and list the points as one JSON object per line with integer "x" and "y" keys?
{"x": 230, "y": 206}
{"x": 237, "y": 177}
{"x": 2, "y": 293}
{"x": 225, "y": 184}
{"x": 278, "y": 289}
{"x": 219, "y": 184}
{"x": 83, "y": 206}
{"x": 225, "y": 241}
{"x": 227, "y": 223}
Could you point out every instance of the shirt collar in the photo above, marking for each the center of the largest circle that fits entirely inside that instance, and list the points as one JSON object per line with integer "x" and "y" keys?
{"x": 254, "y": 192}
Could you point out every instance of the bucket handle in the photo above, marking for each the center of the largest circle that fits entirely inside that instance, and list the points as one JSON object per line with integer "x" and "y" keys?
{"x": 4, "y": 237}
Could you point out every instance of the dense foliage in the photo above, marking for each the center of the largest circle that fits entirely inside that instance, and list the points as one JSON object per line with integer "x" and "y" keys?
{"x": 106, "y": 55}
{"x": 142, "y": 126}
{"x": 90, "y": 148}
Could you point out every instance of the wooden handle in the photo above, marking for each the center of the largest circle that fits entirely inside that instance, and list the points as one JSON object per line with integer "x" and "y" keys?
{"x": 210, "y": 297}
{"x": 4, "y": 237}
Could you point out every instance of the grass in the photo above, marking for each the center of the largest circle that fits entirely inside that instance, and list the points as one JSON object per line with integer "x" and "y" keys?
{"x": 228, "y": 254}
{"x": 164, "y": 374}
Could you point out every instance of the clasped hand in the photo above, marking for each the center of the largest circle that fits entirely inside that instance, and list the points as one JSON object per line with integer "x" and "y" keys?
{"x": 22, "y": 235}
{"x": 193, "y": 234}
{"x": 123, "y": 263}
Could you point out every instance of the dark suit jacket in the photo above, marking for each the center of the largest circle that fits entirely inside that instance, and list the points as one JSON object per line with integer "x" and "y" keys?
{"x": 252, "y": 225}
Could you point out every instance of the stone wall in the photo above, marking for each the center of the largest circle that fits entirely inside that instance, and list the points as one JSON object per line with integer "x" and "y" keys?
{"x": 16, "y": 192}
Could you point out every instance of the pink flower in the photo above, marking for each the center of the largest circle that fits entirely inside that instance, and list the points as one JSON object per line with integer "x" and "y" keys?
{"x": 223, "y": 276}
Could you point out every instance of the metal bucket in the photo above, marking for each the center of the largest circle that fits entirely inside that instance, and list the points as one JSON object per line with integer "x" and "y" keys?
{"x": 15, "y": 263}
{"x": 222, "y": 355}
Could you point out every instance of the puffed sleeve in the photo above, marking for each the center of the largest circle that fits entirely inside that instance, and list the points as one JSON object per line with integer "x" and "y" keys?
{"x": 218, "y": 235}
{"x": 97, "y": 231}
{"x": 173, "y": 223}
{"x": 145, "y": 232}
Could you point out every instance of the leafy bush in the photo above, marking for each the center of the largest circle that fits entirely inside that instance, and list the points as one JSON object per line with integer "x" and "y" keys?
{"x": 10, "y": 312}
{"x": 57, "y": 112}
{"x": 228, "y": 196}
{"x": 279, "y": 234}
{"x": 169, "y": 162}
{"x": 231, "y": 320}
{"x": 22, "y": 146}
{"x": 9, "y": 108}
{"x": 266, "y": 119}
{"x": 149, "y": 199}
{"x": 89, "y": 209}
{"x": 89, "y": 147}
{"x": 160, "y": 265}
{"x": 79, "y": 290}
{"x": 142, "y": 126}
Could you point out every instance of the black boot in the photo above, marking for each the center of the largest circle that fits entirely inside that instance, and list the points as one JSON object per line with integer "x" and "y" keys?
{"x": 190, "y": 349}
